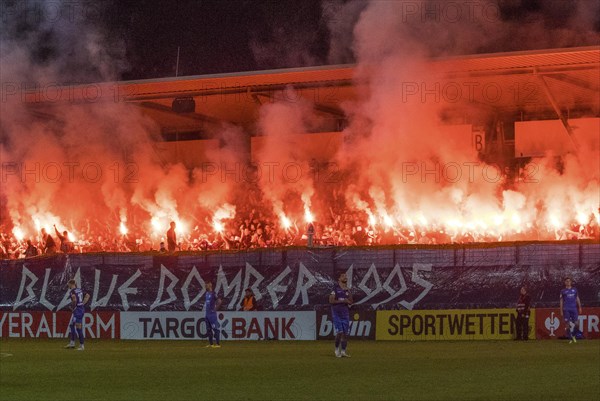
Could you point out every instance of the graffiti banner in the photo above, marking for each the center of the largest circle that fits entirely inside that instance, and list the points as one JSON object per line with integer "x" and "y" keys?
{"x": 381, "y": 278}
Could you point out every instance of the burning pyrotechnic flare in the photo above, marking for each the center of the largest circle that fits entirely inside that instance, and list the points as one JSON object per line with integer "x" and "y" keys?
{"x": 156, "y": 225}
{"x": 123, "y": 229}
{"x": 218, "y": 226}
{"x": 515, "y": 219}
{"x": 285, "y": 222}
{"x": 498, "y": 219}
{"x": 224, "y": 212}
{"x": 582, "y": 218}
{"x": 555, "y": 222}
{"x": 180, "y": 226}
{"x": 306, "y": 200}
{"x": 372, "y": 219}
{"x": 387, "y": 220}
{"x": 308, "y": 216}
{"x": 18, "y": 233}
{"x": 44, "y": 220}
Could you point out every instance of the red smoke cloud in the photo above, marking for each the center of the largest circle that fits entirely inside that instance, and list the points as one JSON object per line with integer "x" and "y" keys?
{"x": 391, "y": 162}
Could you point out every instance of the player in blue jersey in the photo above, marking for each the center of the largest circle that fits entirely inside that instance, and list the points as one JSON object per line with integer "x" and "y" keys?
{"x": 340, "y": 300}
{"x": 78, "y": 301}
{"x": 570, "y": 308}
{"x": 211, "y": 304}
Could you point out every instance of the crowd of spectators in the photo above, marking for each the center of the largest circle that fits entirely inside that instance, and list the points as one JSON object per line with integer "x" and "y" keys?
{"x": 252, "y": 227}
{"x": 254, "y": 230}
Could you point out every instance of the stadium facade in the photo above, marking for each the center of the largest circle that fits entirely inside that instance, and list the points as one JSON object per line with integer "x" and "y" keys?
{"x": 509, "y": 106}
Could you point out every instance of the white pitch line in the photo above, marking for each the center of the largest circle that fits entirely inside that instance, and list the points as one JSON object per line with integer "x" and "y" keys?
{"x": 5, "y": 354}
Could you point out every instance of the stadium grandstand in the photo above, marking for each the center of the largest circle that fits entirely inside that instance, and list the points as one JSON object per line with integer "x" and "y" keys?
{"x": 507, "y": 110}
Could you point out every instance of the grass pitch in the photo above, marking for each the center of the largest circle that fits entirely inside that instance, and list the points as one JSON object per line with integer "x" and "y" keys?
{"x": 185, "y": 370}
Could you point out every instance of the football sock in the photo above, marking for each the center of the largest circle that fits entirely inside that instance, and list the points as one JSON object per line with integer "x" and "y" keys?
{"x": 337, "y": 341}
{"x": 572, "y": 329}
{"x": 73, "y": 333}
{"x": 344, "y": 343}
{"x": 80, "y": 335}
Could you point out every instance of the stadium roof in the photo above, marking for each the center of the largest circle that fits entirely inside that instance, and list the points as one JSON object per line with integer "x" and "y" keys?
{"x": 556, "y": 80}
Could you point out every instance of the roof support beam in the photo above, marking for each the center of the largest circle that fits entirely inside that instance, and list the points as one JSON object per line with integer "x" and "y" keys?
{"x": 573, "y": 81}
{"x": 556, "y": 108}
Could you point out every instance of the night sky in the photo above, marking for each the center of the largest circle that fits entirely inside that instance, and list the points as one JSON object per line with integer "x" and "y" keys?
{"x": 214, "y": 36}
{"x": 140, "y": 38}
{"x": 222, "y": 36}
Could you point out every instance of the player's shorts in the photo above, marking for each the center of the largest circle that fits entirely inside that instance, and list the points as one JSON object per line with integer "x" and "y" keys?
{"x": 212, "y": 322}
{"x": 570, "y": 315}
{"x": 77, "y": 316}
{"x": 341, "y": 324}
